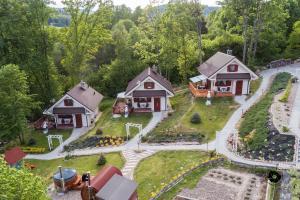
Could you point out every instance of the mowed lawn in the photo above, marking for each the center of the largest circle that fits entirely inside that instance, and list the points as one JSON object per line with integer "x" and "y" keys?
{"x": 116, "y": 126}
{"x": 158, "y": 170}
{"x": 213, "y": 117}
{"x": 41, "y": 138}
{"x": 46, "y": 168}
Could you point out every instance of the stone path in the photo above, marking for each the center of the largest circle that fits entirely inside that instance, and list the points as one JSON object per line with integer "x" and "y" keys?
{"x": 132, "y": 159}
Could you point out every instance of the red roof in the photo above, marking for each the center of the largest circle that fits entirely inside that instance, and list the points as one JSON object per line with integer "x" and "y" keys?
{"x": 14, "y": 155}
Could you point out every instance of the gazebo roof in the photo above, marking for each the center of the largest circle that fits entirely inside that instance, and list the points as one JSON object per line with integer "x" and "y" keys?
{"x": 14, "y": 155}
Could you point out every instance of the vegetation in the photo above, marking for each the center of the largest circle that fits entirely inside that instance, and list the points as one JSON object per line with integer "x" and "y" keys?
{"x": 46, "y": 168}
{"x": 294, "y": 42}
{"x": 255, "y": 85}
{"x": 102, "y": 160}
{"x": 213, "y": 118}
{"x": 20, "y": 184}
{"x": 253, "y": 128}
{"x": 285, "y": 97}
{"x": 295, "y": 184}
{"x": 116, "y": 126}
{"x": 152, "y": 177}
{"x": 195, "y": 119}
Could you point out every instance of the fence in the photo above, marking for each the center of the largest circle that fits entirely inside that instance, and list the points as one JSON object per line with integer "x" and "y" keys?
{"x": 280, "y": 63}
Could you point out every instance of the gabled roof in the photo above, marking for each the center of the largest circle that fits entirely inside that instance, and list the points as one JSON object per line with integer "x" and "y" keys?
{"x": 215, "y": 63}
{"x": 14, "y": 155}
{"x": 87, "y": 97}
{"x": 117, "y": 188}
{"x": 149, "y": 72}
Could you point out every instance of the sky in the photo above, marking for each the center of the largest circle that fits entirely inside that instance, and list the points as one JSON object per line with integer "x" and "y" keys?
{"x": 134, "y": 3}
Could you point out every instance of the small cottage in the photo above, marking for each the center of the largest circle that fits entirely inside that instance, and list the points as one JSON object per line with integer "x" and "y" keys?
{"x": 222, "y": 75}
{"x": 77, "y": 108}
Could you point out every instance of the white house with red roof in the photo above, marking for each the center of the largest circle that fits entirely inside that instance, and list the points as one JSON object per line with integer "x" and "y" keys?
{"x": 77, "y": 108}
{"x": 147, "y": 92}
{"x": 222, "y": 75}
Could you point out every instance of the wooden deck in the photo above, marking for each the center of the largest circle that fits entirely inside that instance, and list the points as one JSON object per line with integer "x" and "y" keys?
{"x": 203, "y": 93}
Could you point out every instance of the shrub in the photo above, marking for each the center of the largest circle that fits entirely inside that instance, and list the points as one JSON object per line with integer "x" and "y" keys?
{"x": 105, "y": 104}
{"x": 285, "y": 129}
{"x": 102, "y": 160}
{"x": 285, "y": 97}
{"x": 31, "y": 142}
{"x": 99, "y": 131}
{"x": 196, "y": 118}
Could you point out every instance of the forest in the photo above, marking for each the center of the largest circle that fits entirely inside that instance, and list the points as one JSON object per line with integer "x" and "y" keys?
{"x": 108, "y": 45}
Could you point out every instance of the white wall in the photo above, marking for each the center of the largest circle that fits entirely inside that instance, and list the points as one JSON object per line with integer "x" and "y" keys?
{"x": 245, "y": 87}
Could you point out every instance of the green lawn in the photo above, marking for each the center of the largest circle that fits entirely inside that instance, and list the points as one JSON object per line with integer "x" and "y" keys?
{"x": 41, "y": 139}
{"x": 213, "y": 117}
{"x": 46, "y": 168}
{"x": 116, "y": 127}
{"x": 154, "y": 172}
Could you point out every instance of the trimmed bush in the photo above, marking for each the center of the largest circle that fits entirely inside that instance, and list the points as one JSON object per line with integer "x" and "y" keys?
{"x": 99, "y": 131}
{"x": 285, "y": 97}
{"x": 285, "y": 129}
{"x": 195, "y": 119}
{"x": 31, "y": 142}
{"x": 102, "y": 160}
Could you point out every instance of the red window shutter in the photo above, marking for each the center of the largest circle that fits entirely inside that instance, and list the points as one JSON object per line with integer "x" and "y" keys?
{"x": 236, "y": 67}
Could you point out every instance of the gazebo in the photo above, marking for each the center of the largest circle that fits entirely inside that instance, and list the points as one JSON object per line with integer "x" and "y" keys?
{"x": 14, "y": 157}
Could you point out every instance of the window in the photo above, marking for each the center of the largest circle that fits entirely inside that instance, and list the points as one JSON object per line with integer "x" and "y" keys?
{"x": 142, "y": 100}
{"x": 68, "y": 102}
{"x": 232, "y": 68}
{"x": 148, "y": 85}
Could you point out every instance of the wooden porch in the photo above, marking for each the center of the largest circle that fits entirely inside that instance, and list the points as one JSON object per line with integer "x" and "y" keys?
{"x": 142, "y": 110}
{"x": 203, "y": 92}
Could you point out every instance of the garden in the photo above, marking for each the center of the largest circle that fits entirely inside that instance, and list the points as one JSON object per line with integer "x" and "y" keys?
{"x": 260, "y": 139}
{"x": 192, "y": 122}
{"x": 36, "y": 141}
{"x": 46, "y": 168}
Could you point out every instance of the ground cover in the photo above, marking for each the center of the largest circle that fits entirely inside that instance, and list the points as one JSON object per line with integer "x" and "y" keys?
{"x": 158, "y": 170}
{"x": 116, "y": 126}
{"x": 254, "y": 86}
{"x": 261, "y": 139}
{"x": 46, "y": 168}
{"x": 40, "y": 141}
{"x": 178, "y": 126}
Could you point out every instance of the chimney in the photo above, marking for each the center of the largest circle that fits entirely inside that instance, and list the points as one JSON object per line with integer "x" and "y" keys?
{"x": 83, "y": 85}
{"x": 229, "y": 51}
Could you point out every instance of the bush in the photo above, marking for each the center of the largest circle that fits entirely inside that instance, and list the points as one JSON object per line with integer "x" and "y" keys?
{"x": 196, "y": 118}
{"x": 99, "y": 131}
{"x": 31, "y": 142}
{"x": 285, "y": 129}
{"x": 286, "y": 94}
{"x": 102, "y": 160}
{"x": 105, "y": 104}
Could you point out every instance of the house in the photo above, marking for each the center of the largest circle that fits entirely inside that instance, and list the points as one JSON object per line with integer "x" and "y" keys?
{"x": 77, "y": 108}
{"x": 147, "y": 92}
{"x": 222, "y": 75}
{"x": 14, "y": 157}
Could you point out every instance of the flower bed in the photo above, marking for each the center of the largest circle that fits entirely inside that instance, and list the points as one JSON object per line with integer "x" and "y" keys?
{"x": 33, "y": 149}
{"x": 175, "y": 137}
{"x": 95, "y": 141}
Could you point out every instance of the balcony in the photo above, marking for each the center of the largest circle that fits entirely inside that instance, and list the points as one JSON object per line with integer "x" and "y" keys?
{"x": 203, "y": 92}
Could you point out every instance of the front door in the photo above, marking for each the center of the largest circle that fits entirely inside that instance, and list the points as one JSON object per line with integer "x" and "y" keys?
{"x": 78, "y": 120}
{"x": 156, "y": 104}
{"x": 239, "y": 87}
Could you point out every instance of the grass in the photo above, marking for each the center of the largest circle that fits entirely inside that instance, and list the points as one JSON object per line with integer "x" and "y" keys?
{"x": 41, "y": 139}
{"x": 46, "y": 168}
{"x": 254, "y": 86}
{"x": 253, "y": 128}
{"x": 285, "y": 97}
{"x": 152, "y": 173}
{"x": 213, "y": 117}
{"x": 116, "y": 126}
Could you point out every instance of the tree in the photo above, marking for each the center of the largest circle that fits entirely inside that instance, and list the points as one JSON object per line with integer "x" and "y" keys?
{"x": 87, "y": 32}
{"x": 293, "y": 48}
{"x": 20, "y": 184}
{"x": 15, "y": 103}
{"x": 25, "y": 42}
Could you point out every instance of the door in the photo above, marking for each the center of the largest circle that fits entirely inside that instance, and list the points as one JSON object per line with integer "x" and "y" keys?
{"x": 78, "y": 120}
{"x": 239, "y": 87}
{"x": 156, "y": 104}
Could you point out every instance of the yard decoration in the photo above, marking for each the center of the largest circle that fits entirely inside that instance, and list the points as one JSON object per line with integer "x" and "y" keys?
{"x": 66, "y": 179}
{"x": 208, "y": 101}
{"x": 50, "y": 137}
{"x": 128, "y": 125}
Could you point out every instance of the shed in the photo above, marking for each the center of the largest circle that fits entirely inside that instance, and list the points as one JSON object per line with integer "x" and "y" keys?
{"x": 14, "y": 156}
{"x": 99, "y": 181}
{"x": 118, "y": 188}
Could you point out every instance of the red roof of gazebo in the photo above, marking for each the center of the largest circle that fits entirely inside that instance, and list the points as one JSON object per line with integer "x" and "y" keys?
{"x": 14, "y": 155}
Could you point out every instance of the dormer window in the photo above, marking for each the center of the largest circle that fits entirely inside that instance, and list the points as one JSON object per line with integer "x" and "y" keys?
{"x": 148, "y": 85}
{"x": 232, "y": 68}
{"x": 68, "y": 102}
